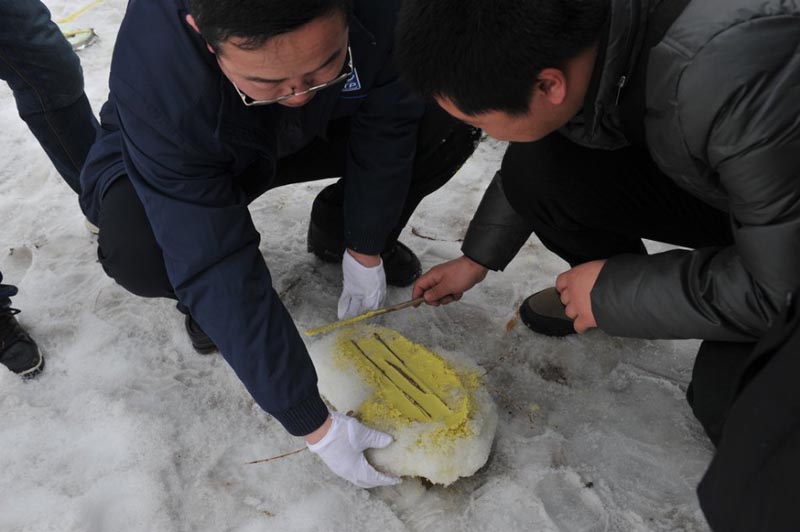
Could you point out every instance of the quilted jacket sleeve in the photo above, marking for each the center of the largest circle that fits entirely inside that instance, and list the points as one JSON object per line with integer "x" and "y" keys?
{"x": 737, "y": 110}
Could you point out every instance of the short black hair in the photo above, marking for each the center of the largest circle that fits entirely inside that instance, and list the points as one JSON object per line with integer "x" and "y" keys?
{"x": 485, "y": 55}
{"x": 254, "y": 22}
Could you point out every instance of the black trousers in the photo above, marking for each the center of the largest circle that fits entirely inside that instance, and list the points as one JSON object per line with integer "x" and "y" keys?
{"x": 591, "y": 204}
{"x": 751, "y": 484}
{"x": 128, "y": 250}
{"x": 586, "y": 204}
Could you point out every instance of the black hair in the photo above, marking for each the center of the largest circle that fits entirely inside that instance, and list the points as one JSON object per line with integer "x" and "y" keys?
{"x": 254, "y": 22}
{"x": 485, "y": 55}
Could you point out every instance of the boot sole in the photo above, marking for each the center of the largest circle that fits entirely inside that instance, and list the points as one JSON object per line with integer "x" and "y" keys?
{"x": 35, "y": 370}
{"x": 545, "y": 325}
{"x": 205, "y": 349}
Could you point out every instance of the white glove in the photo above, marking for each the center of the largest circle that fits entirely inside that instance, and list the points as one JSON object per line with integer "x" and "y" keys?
{"x": 363, "y": 288}
{"x": 342, "y": 450}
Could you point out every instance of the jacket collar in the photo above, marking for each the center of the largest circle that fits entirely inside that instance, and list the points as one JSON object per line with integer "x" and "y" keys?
{"x": 249, "y": 125}
{"x": 598, "y": 124}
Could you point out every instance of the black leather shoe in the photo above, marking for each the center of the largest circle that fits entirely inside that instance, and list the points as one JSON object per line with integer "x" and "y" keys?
{"x": 18, "y": 351}
{"x": 326, "y": 241}
{"x": 543, "y": 313}
{"x": 200, "y": 340}
{"x": 326, "y": 247}
{"x": 326, "y": 228}
{"x": 401, "y": 265}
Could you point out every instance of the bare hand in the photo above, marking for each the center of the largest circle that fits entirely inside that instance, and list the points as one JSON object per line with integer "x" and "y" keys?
{"x": 575, "y": 287}
{"x": 447, "y": 282}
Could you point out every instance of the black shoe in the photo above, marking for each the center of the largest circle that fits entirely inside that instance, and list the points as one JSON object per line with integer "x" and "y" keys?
{"x": 543, "y": 313}
{"x": 326, "y": 228}
{"x": 200, "y": 340}
{"x": 18, "y": 351}
{"x": 401, "y": 265}
{"x": 326, "y": 247}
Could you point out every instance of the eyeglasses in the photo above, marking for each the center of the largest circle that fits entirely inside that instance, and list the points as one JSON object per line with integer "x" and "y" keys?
{"x": 348, "y": 71}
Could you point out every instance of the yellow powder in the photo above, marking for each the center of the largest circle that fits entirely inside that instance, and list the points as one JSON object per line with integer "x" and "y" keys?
{"x": 410, "y": 383}
{"x": 344, "y": 323}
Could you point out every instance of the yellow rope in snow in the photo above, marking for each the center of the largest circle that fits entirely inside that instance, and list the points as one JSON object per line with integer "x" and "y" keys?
{"x": 78, "y": 13}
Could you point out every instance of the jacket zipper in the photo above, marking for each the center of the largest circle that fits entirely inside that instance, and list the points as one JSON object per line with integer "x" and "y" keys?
{"x": 620, "y": 85}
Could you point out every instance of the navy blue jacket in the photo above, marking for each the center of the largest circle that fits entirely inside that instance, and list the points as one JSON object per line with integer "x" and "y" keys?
{"x": 176, "y": 127}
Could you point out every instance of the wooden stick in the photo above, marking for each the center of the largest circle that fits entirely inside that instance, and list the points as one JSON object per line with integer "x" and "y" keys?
{"x": 362, "y": 317}
{"x": 276, "y": 457}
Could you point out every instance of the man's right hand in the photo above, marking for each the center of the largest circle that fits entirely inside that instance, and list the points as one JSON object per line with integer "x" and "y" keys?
{"x": 447, "y": 282}
{"x": 342, "y": 449}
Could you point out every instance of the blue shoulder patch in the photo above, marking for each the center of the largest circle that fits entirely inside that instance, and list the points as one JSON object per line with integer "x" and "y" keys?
{"x": 353, "y": 83}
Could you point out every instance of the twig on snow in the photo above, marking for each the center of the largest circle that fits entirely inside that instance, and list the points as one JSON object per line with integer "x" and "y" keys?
{"x": 276, "y": 457}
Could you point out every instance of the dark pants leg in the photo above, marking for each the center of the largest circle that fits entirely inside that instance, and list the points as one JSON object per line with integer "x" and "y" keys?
{"x": 443, "y": 146}
{"x": 6, "y": 292}
{"x": 131, "y": 256}
{"x": 587, "y": 204}
{"x": 714, "y": 381}
{"x": 127, "y": 247}
{"x": 751, "y": 484}
{"x": 46, "y": 79}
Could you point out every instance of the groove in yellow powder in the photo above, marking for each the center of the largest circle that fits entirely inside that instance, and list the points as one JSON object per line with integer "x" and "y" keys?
{"x": 411, "y": 383}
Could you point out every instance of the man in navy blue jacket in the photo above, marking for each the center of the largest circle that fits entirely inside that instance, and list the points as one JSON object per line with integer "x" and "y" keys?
{"x": 45, "y": 76}
{"x": 213, "y": 104}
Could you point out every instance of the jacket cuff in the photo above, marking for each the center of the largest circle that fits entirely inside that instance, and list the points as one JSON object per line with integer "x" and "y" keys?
{"x": 496, "y": 232}
{"x": 609, "y": 311}
{"x": 366, "y": 243}
{"x": 305, "y": 417}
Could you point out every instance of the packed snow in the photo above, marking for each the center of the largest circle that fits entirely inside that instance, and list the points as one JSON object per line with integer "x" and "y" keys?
{"x": 128, "y": 429}
{"x": 436, "y": 406}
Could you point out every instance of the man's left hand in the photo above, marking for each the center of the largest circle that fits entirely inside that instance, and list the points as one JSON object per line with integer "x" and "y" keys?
{"x": 575, "y": 287}
{"x": 364, "y": 286}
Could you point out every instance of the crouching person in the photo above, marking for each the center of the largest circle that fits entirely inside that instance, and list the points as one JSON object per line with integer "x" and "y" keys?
{"x": 211, "y": 104}
{"x": 675, "y": 121}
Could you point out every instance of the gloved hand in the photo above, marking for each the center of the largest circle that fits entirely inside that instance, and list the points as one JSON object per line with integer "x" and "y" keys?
{"x": 363, "y": 288}
{"x": 342, "y": 450}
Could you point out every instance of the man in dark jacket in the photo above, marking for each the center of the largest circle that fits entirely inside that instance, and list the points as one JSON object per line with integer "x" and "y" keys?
{"x": 213, "y": 103}
{"x": 671, "y": 120}
{"x": 45, "y": 76}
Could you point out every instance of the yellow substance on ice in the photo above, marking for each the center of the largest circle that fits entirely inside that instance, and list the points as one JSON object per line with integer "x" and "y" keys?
{"x": 345, "y": 323}
{"x": 411, "y": 383}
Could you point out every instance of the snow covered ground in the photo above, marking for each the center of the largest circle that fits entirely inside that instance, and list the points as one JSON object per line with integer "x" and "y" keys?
{"x": 129, "y": 430}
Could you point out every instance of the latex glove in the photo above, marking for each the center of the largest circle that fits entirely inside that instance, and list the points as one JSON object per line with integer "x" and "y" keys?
{"x": 342, "y": 450}
{"x": 363, "y": 288}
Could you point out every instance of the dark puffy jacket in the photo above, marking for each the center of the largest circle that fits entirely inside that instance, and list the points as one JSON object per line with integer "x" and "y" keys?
{"x": 750, "y": 485}
{"x": 176, "y": 127}
{"x": 722, "y": 119}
